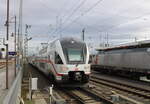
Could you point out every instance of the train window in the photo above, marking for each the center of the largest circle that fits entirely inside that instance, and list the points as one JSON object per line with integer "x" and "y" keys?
{"x": 90, "y": 59}
{"x": 49, "y": 58}
{"x": 75, "y": 55}
{"x": 58, "y": 59}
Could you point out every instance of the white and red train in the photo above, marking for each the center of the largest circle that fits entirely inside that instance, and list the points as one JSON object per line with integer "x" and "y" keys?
{"x": 129, "y": 59}
{"x": 65, "y": 60}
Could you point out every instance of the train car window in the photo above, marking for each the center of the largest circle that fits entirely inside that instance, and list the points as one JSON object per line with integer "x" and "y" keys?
{"x": 90, "y": 59}
{"x": 85, "y": 53}
{"x": 58, "y": 59}
{"x": 75, "y": 55}
{"x": 49, "y": 57}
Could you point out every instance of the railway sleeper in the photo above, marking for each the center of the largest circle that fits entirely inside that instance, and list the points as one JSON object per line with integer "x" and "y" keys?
{"x": 120, "y": 87}
{"x": 126, "y": 94}
{"x": 83, "y": 97}
{"x": 98, "y": 96}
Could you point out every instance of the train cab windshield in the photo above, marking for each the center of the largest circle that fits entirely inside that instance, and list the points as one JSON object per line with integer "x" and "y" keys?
{"x": 75, "y": 51}
{"x": 75, "y": 55}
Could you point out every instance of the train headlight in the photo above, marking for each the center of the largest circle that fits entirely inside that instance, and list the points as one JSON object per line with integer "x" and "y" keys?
{"x": 58, "y": 77}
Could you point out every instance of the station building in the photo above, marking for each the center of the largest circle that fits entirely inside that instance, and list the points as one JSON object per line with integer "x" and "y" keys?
{"x": 3, "y": 47}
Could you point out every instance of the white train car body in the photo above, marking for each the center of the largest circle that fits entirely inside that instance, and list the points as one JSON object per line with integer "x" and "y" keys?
{"x": 66, "y": 60}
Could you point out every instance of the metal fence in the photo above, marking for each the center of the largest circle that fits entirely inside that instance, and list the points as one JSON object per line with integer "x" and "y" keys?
{"x": 14, "y": 93}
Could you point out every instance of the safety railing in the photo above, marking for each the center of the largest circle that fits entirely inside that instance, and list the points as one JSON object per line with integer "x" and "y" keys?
{"x": 14, "y": 93}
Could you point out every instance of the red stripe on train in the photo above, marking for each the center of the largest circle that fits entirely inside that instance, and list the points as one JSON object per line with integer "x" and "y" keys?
{"x": 50, "y": 62}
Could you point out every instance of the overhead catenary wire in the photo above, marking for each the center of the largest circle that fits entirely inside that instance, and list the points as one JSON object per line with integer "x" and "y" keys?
{"x": 129, "y": 21}
{"x": 74, "y": 11}
{"x": 83, "y": 13}
{"x": 46, "y": 6}
{"x": 64, "y": 5}
{"x": 69, "y": 16}
{"x": 119, "y": 25}
{"x": 138, "y": 17}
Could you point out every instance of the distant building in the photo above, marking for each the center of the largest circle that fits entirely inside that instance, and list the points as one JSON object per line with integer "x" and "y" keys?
{"x": 3, "y": 47}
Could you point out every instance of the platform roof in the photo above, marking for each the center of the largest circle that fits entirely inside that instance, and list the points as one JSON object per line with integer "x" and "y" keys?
{"x": 137, "y": 44}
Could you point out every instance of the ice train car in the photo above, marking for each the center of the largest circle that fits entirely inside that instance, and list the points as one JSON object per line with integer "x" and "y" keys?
{"x": 65, "y": 60}
{"x": 131, "y": 59}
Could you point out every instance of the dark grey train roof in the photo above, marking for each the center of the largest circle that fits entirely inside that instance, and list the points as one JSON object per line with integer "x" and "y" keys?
{"x": 133, "y": 45}
{"x": 70, "y": 39}
{"x": 72, "y": 43}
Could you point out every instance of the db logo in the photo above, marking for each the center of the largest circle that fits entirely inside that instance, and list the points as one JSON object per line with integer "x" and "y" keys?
{"x": 76, "y": 69}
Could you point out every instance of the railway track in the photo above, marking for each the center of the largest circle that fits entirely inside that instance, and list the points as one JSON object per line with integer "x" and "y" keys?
{"x": 97, "y": 95}
{"x": 108, "y": 87}
{"x": 3, "y": 63}
{"x": 67, "y": 94}
{"x": 72, "y": 96}
{"x": 88, "y": 96}
{"x": 101, "y": 92}
{"x": 82, "y": 97}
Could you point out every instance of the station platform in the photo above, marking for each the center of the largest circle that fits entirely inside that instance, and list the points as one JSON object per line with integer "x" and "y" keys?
{"x": 11, "y": 77}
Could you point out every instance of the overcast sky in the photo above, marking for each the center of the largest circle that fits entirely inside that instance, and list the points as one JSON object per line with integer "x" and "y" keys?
{"x": 122, "y": 20}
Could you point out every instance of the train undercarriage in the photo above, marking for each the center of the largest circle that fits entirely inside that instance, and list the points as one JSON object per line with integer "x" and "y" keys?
{"x": 124, "y": 72}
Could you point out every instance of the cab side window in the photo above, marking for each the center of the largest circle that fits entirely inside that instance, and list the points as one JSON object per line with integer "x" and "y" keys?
{"x": 58, "y": 59}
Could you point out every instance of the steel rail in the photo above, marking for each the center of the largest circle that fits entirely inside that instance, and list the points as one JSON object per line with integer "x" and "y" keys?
{"x": 144, "y": 96}
{"x": 82, "y": 97}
